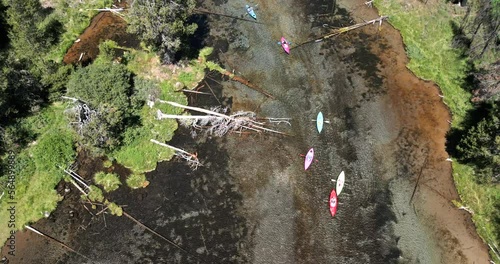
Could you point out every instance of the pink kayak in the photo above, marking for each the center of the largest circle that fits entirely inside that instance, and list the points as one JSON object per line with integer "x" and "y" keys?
{"x": 309, "y": 159}
{"x": 333, "y": 202}
{"x": 285, "y": 44}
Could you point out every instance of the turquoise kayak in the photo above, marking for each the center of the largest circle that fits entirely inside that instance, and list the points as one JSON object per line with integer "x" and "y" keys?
{"x": 251, "y": 12}
{"x": 319, "y": 122}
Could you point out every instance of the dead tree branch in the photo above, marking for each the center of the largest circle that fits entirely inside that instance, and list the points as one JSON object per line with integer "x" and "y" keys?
{"x": 82, "y": 113}
{"x": 191, "y": 158}
{"x": 55, "y": 240}
{"x": 339, "y": 31}
{"x": 76, "y": 177}
{"x": 219, "y": 124}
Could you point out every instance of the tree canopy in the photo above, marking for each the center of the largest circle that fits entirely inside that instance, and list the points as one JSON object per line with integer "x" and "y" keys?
{"x": 101, "y": 83}
{"x": 106, "y": 88}
{"x": 481, "y": 144}
{"x": 162, "y": 23}
{"x": 20, "y": 91}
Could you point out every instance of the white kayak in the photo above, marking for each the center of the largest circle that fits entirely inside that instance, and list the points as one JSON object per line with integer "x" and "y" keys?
{"x": 340, "y": 182}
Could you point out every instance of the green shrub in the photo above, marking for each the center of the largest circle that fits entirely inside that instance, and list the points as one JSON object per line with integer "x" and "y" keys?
{"x": 53, "y": 150}
{"x": 95, "y": 194}
{"x": 137, "y": 180}
{"x": 109, "y": 181}
{"x": 114, "y": 209}
{"x": 107, "y": 163}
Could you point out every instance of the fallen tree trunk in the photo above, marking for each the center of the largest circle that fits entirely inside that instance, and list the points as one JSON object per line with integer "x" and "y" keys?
{"x": 215, "y": 67}
{"x": 55, "y": 240}
{"x": 220, "y": 124}
{"x": 339, "y": 31}
{"x": 247, "y": 83}
{"x": 191, "y": 158}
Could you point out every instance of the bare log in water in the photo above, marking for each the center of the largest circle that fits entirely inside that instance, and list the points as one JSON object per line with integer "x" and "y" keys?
{"x": 277, "y": 120}
{"x": 247, "y": 83}
{"x": 196, "y": 92}
{"x": 339, "y": 31}
{"x": 160, "y": 236}
{"x": 418, "y": 178}
{"x": 217, "y": 122}
{"x": 191, "y": 158}
{"x": 55, "y": 240}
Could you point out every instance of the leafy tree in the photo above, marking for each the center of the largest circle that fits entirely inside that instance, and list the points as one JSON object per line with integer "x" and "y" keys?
{"x": 103, "y": 129}
{"x": 481, "y": 144}
{"x": 20, "y": 91}
{"x": 32, "y": 33}
{"x": 162, "y": 23}
{"x": 106, "y": 88}
{"x": 3, "y": 28}
{"x": 102, "y": 83}
{"x": 479, "y": 31}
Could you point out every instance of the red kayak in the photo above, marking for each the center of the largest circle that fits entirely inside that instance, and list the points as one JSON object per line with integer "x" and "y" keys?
{"x": 286, "y": 45}
{"x": 333, "y": 202}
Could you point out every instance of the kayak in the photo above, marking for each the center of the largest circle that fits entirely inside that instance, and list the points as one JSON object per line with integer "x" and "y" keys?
{"x": 333, "y": 202}
{"x": 319, "y": 122}
{"x": 309, "y": 159}
{"x": 251, "y": 12}
{"x": 340, "y": 182}
{"x": 285, "y": 44}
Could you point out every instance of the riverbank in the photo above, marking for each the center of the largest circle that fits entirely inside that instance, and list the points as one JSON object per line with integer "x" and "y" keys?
{"x": 421, "y": 109}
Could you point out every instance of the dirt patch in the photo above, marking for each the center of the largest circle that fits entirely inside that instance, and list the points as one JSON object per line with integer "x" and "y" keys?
{"x": 104, "y": 26}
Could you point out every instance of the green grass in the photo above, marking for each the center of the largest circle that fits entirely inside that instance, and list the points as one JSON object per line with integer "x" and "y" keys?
{"x": 36, "y": 168}
{"x": 427, "y": 34}
{"x": 113, "y": 208}
{"x": 483, "y": 199}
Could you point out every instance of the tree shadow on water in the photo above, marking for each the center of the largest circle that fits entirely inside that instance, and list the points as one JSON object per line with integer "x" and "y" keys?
{"x": 192, "y": 44}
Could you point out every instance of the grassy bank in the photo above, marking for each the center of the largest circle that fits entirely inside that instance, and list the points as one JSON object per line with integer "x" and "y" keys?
{"x": 138, "y": 153}
{"x": 427, "y": 33}
{"x": 36, "y": 171}
{"x": 51, "y": 143}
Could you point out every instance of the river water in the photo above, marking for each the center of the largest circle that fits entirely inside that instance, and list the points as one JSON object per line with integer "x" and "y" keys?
{"x": 252, "y": 202}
